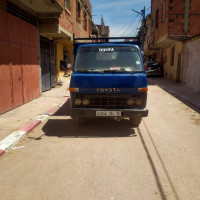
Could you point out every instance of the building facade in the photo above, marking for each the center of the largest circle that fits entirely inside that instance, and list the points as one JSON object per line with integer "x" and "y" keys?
{"x": 170, "y": 23}
{"x": 35, "y": 36}
{"x": 76, "y": 19}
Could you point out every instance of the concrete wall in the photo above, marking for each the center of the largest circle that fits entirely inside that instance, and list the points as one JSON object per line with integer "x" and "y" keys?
{"x": 170, "y": 72}
{"x": 191, "y": 64}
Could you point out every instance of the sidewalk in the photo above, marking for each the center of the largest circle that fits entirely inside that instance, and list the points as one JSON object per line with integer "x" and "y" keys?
{"x": 178, "y": 90}
{"x": 24, "y": 118}
{"x": 16, "y": 123}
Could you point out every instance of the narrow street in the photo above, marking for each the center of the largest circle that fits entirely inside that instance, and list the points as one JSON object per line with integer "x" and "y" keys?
{"x": 107, "y": 159}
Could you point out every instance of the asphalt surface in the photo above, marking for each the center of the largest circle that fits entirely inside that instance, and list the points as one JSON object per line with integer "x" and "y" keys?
{"x": 107, "y": 159}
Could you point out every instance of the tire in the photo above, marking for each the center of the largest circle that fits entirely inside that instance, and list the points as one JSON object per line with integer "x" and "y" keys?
{"x": 135, "y": 121}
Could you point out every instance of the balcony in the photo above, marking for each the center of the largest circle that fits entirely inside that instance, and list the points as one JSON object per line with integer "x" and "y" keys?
{"x": 48, "y": 13}
{"x": 42, "y": 6}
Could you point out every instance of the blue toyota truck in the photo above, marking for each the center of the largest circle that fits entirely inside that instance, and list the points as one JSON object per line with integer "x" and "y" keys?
{"x": 108, "y": 79}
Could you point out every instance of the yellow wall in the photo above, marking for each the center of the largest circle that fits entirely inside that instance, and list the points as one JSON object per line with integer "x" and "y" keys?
{"x": 69, "y": 47}
{"x": 59, "y": 57}
{"x": 171, "y": 71}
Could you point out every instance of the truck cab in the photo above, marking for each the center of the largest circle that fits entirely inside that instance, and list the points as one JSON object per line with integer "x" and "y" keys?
{"x": 108, "y": 80}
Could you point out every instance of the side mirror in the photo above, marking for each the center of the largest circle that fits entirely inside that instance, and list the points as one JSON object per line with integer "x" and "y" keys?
{"x": 142, "y": 52}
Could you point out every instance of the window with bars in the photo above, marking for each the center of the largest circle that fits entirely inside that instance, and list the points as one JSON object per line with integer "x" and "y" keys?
{"x": 16, "y": 11}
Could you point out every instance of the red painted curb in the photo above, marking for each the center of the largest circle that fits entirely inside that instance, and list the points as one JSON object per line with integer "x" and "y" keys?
{"x": 30, "y": 126}
{"x": 1, "y": 152}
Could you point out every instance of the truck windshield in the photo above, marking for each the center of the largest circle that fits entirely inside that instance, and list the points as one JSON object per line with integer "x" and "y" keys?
{"x": 108, "y": 58}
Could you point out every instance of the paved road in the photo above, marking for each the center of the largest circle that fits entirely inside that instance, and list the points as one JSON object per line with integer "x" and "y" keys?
{"x": 109, "y": 160}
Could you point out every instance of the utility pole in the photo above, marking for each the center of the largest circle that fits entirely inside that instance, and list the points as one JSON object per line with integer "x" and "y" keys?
{"x": 143, "y": 25}
{"x": 141, "y": 13}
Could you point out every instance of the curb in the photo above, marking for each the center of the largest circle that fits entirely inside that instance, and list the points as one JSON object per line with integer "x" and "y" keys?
{"x": 30, "y": 126}
{"x": 11, "y": 140}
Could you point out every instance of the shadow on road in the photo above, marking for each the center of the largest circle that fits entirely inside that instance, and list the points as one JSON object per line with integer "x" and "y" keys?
{"x": 92, "y": 128}
{"x": 64, "y": 110}
{"x": 153, "y": 166}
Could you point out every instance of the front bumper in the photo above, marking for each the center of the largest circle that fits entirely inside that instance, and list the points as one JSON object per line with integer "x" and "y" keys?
{"x": 91, "y": 112}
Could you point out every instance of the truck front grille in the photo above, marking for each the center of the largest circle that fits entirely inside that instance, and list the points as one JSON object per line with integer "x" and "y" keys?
{"x": 111, "y": 101}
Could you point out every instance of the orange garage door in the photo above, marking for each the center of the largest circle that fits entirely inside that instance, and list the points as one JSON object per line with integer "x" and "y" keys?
{"x": 19, "y": 69}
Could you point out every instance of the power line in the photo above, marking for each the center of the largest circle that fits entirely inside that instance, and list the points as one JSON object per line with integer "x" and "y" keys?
{"x": 122, "y": 28}
{"x": 134, "y": 28}
{"x": 142, "y": 13}
{"x": 129, "y": 25}
{"x": 138, "y": 25}
{"x": 130, "y": 22}
{"x": 129, "y": 33}
{"x": 148, "y": 8}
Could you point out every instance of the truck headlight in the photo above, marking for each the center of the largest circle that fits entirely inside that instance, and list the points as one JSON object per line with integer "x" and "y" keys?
{"x": 86, "y": 101}
{"x": 138, "y": 101}
{"x": 77, "y": 102}
{"x": 130, "y": 102}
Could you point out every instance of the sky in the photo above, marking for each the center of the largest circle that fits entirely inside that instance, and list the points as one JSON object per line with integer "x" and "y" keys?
{"x": 119, "y": 16}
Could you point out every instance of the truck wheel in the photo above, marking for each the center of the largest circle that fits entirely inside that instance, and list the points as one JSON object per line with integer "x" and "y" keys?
{"x": 135, "y": 121}
{"x": 81, "y": 121}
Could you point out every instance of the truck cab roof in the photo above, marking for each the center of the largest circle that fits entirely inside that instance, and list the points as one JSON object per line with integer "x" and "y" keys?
{"x": 111, "y": 41}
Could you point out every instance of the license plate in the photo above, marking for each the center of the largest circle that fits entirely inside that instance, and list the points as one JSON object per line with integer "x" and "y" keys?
{"x": 108, "y": 113}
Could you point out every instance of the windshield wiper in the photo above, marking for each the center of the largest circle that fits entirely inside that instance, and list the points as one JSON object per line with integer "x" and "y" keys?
{"x": 103, "y": 71}
{"x": 85, "y": 70}
{"x": 88, "y": 70}
{"x": 118, "y": 70}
